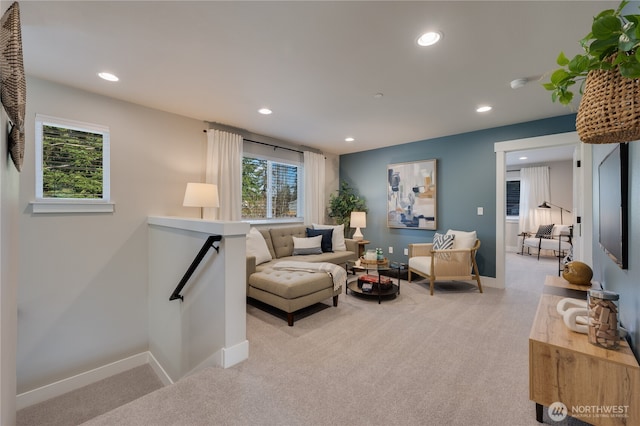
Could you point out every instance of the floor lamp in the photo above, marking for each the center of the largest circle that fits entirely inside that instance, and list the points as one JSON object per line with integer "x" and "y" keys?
{"x": 547, "y": 205}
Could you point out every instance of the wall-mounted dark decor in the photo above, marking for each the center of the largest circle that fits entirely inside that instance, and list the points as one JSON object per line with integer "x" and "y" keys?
{"x": 411, "y": 199}
{"x": 13, "y": 86}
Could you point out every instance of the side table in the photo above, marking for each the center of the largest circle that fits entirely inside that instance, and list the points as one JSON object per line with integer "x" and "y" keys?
{"x": 361, "y": 245}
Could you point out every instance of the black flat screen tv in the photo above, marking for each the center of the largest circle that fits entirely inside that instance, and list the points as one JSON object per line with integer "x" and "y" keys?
{"x": 613, "y": 174}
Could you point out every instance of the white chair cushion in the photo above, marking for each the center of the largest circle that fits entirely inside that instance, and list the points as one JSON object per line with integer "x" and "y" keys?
{"x": 421, "y": 264}
{"x": 463, "y": 239}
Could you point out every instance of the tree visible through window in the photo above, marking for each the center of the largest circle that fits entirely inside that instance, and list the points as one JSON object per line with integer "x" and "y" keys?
{"x": 269, "y": 189}
{"x": 72, "y": 160}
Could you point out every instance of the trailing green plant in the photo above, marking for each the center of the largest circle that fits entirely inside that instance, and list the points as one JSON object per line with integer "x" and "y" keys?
{"x": 612, "y": 43}
{"x": 343, "y": 203}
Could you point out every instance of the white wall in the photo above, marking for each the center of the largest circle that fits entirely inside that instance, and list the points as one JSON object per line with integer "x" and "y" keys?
{"x": 9, "y": 180}
{"x": 82, "y": 296}
{"x": 82, "y": 299}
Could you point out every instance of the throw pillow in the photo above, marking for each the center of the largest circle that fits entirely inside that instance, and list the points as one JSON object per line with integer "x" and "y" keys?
{"x": 443, "y": 241}
{"x": 307, "y": 245}
{"x": 464, "y": 239}
{"x": 257, "y": 246}
{"x": 327, "y": 235}
{"x": 337, "y": 239}
{"x": 544, "y": 231}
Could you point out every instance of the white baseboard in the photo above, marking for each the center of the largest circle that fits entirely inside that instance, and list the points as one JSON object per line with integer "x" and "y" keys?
{"x": 235, "y": 354}
{"x": 159, "y": 370}
{"x": 225, "y": 357}
{"x": 69, "y": 384}
{"x": 490, "y": 282}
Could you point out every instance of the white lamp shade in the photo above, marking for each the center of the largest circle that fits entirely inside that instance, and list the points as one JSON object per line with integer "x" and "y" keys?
{"x": 358, "y": 220}
{"x": 201, "y": 195}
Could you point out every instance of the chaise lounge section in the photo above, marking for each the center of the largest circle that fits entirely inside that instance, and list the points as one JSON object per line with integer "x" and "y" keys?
{"x": 292, "y": 290}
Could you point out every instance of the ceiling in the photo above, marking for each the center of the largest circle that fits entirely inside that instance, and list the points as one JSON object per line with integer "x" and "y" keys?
{"x": 316, "y": 64}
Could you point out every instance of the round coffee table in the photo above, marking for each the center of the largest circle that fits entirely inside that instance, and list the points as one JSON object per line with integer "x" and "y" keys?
{"x": 378, "y": 289}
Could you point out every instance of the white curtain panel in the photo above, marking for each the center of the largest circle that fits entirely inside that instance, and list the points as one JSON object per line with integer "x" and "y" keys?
{"x": 314, "y": 181}
{"x": 224, "y": 168}
{"x": 534, "y": 190}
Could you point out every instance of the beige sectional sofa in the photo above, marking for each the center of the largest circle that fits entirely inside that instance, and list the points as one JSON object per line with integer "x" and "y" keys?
{"x": 287, "y": 290}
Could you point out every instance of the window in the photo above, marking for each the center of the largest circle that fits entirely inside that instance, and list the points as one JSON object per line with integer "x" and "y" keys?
{"x": 513, "y": 197}
{"x": 270, "y": 189}
{"x": 72, "y": 166}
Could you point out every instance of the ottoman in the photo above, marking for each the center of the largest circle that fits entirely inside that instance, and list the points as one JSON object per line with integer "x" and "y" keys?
{"x": 291, "y": 291}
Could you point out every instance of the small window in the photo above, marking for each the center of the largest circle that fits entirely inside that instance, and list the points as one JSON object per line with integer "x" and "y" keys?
{"x": 72, "y": 162}
{"x": 270, "y": 189}
{"x": 513, "y": 197}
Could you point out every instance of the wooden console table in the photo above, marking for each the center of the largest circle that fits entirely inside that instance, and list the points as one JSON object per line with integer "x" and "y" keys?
{"x": 601, "y": 385}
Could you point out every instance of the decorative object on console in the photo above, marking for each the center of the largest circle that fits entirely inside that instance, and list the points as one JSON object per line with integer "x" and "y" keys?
{"x": 603, "y": 319}
{"x": 201, "y": 195}
{"x": 609, "y": 110}
{"x": 358, "y": 220}
{"x": 577, "y": 273}
{"x": 574, "y": 314}
{"x": 411, "y": 195}
{"x": 547, "y": 205}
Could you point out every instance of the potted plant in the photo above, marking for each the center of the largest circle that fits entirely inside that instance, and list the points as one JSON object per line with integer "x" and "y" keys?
{"x": 343, "y": 203}
{"x": 608, "y": 73}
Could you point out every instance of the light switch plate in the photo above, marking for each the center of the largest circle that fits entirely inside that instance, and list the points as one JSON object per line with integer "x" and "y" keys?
{"x": 480, "y": 211}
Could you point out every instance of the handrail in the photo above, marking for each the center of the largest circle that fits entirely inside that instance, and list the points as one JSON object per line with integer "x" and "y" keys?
{"x": 192, "y": 268}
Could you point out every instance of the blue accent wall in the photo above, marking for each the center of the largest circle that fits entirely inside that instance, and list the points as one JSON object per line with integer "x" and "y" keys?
{"x": 466, "y": 179}
{"x": 624, "y": 282}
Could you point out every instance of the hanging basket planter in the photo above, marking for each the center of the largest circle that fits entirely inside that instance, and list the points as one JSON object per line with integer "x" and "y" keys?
{"x": 609, "y": 111}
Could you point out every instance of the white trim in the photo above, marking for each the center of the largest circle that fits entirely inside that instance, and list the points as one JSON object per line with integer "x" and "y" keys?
{"x": 69, "y": 384}
{"x": 41, "y": 121}
{"x": 159, "y": 370}
{"x": 71, "y": 206}
{"x": 235, "y": 354}
{"x": 553, "y": 140}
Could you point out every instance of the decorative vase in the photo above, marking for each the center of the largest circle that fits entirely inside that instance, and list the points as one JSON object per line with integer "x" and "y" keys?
{"x": 609, "y": 111}
{"x": 577, "y": 273}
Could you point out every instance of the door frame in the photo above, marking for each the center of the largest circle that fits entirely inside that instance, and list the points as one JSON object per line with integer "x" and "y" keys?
{"x": 582, "y": 192}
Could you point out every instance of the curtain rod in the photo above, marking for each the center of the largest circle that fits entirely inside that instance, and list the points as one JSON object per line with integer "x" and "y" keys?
{"x": 257, "y": 138}
{"x": 274, "y": 146}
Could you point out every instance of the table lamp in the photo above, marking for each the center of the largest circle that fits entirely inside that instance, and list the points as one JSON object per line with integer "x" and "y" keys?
{"x": 201, "y": 195}
{"x": 358, "y": 220}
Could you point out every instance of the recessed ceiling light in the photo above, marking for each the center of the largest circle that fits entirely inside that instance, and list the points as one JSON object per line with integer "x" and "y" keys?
{"x": 523, "y": 158}
{"x": 430, "y": 38}
{"x": 484, "y": 108}
{"x": 108, "y": 76}
{"x": 349, "y": 139}
{"x": 265, "y": 111}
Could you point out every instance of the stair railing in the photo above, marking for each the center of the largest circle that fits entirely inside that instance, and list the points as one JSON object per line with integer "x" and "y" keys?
{"x": 194, "y": 265}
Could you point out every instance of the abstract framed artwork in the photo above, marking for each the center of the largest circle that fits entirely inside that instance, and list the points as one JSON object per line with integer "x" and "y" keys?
{"x": 411, "y": 196}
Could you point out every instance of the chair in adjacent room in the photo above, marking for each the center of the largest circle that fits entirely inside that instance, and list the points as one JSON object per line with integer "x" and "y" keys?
{"x": 451, "y": 257}
{"x": 550, "y": 237}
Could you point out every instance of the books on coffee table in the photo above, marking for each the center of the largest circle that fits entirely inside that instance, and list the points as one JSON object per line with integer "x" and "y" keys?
{"x": 369, "y": 278}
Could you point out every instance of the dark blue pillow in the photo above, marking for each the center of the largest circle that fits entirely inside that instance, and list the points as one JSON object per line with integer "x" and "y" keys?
{"x": 327, "y": 235}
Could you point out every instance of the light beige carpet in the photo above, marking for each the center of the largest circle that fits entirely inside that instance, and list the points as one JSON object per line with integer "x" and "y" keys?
{"x": 90, "y": 401}
{"x": 455, "y": 358}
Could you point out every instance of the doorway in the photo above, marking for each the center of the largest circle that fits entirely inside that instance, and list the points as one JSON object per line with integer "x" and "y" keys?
{"x": 582, "y": 194}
